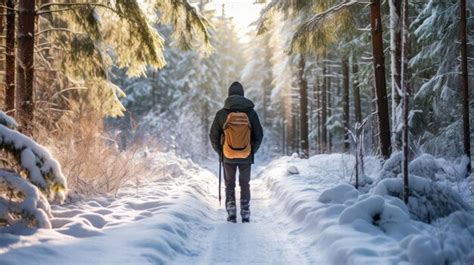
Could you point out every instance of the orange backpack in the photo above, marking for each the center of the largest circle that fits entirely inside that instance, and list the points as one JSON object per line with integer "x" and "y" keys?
{"x": 237, "y": 132}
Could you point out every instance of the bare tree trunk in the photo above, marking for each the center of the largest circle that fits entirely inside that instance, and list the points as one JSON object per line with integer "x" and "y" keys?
{"x": 10, "y": 59}
{"x": 206, "y": 126}
{"x": 406, "y": 94}
{"x": 294, "y": 141}
{"x": 267, "y": 82}
{"x": 317, "y": 99}
{"x": 25, "y": 95}
{"x": 2, "y": 9}
{"x": 379, "y": 71}
{"x": 345, "y": 101}
{"x": 324, "y": 141}
{"x": 395, "y": 53}
{"x": 464, "y": 81}
{"x": 329, "y": 107}
{"x": 291, "y": 127}
{"x": 303, "y": 84}
{"x": 355, "y": 84}
{"x": 283, "y": 127}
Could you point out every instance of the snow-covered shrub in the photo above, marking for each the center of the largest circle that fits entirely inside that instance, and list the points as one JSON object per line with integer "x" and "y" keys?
{"x": 426, "y": 166}
{"x": 25, "y": 194}
{"x": 23, "y": 200}
{"x": 388, "y": 214}
{"x": 338, "y": 194}
{"x": 392, "y": 167}
{"x": 428, "y": 200}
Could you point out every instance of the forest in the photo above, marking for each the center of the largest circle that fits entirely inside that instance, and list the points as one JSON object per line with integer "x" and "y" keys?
{"x": 107, "y": 107}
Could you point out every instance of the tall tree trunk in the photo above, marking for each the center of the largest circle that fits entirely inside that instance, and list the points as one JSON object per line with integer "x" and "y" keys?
{"x": 267, "y": 82}
{"x": 329, "y": 107}
{"x": 317, "y": 98}
{"x": 291, "y": 126}
{"x": 324, "y": 140}
{"x": 356, "y": 91}
{"x": 464, "y": 81}
{"x": 205, "y": 127}
{"x": 10, "y": 59}
{"x": 25, "y": 65}
{"x": 303, "y": 84}
{"x": 283, "y": 127}
{"x": 406, "y": 94}
{"x": 2, "y": 9}
{"x": 294, "y": 141}
{"x": 395, "y": 53}
{"x": 345, "y": 101}
{"x": 379, "y": 71}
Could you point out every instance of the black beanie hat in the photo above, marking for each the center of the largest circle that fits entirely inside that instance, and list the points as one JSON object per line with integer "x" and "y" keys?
{"x": 236, "y": 89}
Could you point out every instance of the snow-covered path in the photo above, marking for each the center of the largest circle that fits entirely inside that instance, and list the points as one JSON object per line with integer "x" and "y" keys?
{"x": 303, "y": 212}
{"x": 266, "y": 240}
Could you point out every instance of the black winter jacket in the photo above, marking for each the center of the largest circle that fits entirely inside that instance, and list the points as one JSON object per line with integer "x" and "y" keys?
{"x": 242, "y": 104}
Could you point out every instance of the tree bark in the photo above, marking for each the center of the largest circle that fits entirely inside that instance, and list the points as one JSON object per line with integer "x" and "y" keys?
{"x": 329, "y": 107}
{"x": 345, "y": 101}
{"x": 324, "y": 140}
{"x": 356, "y": 91}
{"x": 303, "y": 84}
{"x": 317, "y": 99}
{"x": 2, "y": 10}
{"x": 283, "y": 127}
{"x": 10, "y": 59}
{"x": 206, "y": 127}
{"x": 379, "y": 71}
{"x": 464, "y": 81}
{"x": 267, "y": 82}
{"x": 406, "y": 94}
{"x": 395, "y": 53}
{"x": 25, "y": 95}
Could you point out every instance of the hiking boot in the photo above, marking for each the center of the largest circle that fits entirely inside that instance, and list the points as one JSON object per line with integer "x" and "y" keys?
{"x": 245, "y": 211}
{"x": 231, "y": 211}
{"x": 232, "y": 219}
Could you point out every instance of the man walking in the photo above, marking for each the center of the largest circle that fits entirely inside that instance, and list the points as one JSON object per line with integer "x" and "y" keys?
{"x": 236, "y": 135}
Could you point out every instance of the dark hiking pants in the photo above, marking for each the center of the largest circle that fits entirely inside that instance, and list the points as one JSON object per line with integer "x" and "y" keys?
{"x": 230, "y": 171}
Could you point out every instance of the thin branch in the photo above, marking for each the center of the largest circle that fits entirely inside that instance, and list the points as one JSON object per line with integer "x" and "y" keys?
{"x": 9, "y": 8}
{"x": 75, "y": 4}
{"x": 53, "y": 11}
{"x": 57, "y": 29}
{"x": 312, "y": 23}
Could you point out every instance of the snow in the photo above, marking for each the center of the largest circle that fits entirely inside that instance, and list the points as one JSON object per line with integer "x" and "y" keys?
{"x": 43, "y": 170}
{"x": 7, "y": 121}
{"x": 303, "y": 212}
{"x": 25, "y": 199}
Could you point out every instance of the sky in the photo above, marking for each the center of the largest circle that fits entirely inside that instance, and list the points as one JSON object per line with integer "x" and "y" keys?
{"x": 244, "y": 12}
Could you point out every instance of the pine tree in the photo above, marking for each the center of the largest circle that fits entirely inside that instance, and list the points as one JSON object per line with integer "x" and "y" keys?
{"x": 464, "y": 81}
{"x": 25, "y": 96}
{"x": 303, "y": 96}
{"x": 345, "y": 102}
{"x": 379, "y": 72}
{"x": 10, "y": 58}
{"x": 395, "y": 54}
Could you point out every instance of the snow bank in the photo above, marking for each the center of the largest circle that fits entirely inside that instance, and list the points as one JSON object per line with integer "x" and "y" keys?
{"x": 149, "y": 222}
{"x": 428, "y": 200}
{"x": 346, "y": 226}
{"x": 425, "y": 165}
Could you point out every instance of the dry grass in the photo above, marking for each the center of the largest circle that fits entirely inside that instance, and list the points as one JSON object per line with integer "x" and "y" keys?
{"x": 91, "y": 160}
